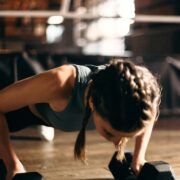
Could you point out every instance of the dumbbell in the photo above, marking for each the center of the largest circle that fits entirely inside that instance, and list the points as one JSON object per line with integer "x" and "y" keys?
{"x": 28, "y": 176}
{"x": 156, "y": 170}
{"x": 3, "y": 170}
{"x": 19, "y": 176}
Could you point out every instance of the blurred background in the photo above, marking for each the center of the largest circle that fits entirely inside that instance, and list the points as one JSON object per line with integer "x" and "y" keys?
{"x": 37, "y": 35}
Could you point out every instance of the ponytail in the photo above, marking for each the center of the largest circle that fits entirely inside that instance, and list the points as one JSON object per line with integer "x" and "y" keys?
{"x": 121, "y": 148}
{"x": 80, "y": 144}
{"x": 80, "y": 148}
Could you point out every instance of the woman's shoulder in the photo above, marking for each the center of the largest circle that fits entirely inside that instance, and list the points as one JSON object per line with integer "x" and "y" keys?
{"x": 75, "y": 72}
{"x": 64, "y": 73}
{"x": 69, "y": 69}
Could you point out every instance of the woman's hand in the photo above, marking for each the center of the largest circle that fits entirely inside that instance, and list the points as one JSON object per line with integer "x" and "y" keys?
{"x": 12, "y": 170}
{"x": 137, "y": 165}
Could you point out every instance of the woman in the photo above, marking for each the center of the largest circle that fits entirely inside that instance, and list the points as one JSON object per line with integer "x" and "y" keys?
{"x": 122, "y": 99}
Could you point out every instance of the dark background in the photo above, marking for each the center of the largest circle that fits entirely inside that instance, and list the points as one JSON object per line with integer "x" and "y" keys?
{"x": 156, "y": 45}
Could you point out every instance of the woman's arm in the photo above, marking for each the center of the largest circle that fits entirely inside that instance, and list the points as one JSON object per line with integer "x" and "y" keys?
{"x": 7, "y": 152}
{"x": 141, "y": 143}
{"x": 45, "y": 87}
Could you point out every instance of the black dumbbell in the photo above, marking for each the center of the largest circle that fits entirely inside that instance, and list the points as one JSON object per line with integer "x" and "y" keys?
{"x": 121, "y": 169}
{"x": 3, "y": 170}
{"x": 157, "y": 170}
{"x": 28, "y": 176}
{"x": 19, "y": 176}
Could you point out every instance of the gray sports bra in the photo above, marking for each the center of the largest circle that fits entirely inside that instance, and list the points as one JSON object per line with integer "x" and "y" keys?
{"x": 70, "y": 119}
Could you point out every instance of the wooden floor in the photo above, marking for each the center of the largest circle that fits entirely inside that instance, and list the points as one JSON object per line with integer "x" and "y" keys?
{"x": 55, "y": 160}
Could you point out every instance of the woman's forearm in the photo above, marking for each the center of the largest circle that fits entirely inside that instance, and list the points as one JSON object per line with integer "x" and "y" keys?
{"x": 7, "y": 152}
{"x": 141, "y": 143}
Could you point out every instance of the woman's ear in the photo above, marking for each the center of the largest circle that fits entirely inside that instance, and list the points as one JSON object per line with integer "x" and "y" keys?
{"x": 91, "y": 105}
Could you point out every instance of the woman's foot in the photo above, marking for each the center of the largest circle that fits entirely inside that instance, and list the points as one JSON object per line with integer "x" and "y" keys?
{"x": 46, "y": 133}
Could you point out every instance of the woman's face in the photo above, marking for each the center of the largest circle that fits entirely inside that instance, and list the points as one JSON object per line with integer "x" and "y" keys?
{"x": 105, "y": 129}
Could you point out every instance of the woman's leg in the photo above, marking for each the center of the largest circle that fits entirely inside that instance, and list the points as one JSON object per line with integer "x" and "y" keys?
{"x": 21, "y": 119}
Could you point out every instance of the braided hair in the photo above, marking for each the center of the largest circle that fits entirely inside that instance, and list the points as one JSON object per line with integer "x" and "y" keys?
{"x": 126, "y": 95}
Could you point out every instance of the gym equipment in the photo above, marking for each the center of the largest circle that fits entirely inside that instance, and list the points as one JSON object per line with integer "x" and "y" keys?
{"x": 3, "y": 170}
{"x": 19, "y": 176}
{"x": 156, "y": 170}
{"x": 28, "y": 176}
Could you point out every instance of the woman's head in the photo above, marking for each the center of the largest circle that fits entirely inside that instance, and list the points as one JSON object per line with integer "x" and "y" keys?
{"x": 125, "y": 95}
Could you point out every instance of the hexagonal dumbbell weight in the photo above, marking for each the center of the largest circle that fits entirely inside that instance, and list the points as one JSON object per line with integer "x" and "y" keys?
{"x": 156, "y": 170}
{"x": 19, "y": 176}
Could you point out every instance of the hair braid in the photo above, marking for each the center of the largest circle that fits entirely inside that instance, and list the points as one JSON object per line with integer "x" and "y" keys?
{"x": 80, "y": 144}
{"x": 143, "y": 87}
{"x": 147, "y": 92}
{"x": 124, "y": 94}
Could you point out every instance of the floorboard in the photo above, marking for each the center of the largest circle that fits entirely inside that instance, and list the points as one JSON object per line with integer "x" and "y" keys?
{"x": 55, "y": 160}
